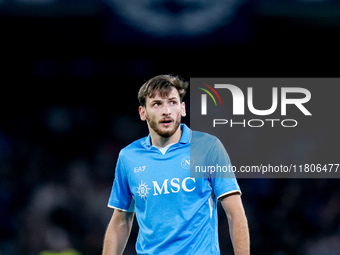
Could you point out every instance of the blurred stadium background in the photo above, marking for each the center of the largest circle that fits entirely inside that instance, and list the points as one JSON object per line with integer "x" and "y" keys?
{"x": 70, "y": 72}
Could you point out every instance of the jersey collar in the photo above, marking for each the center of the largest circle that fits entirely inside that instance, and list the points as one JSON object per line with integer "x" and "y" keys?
{"x": 185, "y": 138}
{"x": 186, "y": 134}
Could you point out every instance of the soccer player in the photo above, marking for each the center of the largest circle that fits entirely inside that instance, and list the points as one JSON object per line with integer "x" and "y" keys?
{"x": 176, "y": 212}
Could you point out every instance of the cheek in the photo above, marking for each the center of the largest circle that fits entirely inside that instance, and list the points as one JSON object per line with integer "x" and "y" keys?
{"x": 149, "y": 116}
{"x": 179, "y": 113}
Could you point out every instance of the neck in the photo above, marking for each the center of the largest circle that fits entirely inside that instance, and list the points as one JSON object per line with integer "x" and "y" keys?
{"x": 161, "y": 141}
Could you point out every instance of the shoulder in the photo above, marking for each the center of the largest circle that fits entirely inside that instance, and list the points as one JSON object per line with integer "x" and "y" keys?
{"x": 202, "y": 137}
{"x": 206, "y": 143}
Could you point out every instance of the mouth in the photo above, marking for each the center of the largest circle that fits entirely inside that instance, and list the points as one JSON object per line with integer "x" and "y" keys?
{"x": 166, "y": 122}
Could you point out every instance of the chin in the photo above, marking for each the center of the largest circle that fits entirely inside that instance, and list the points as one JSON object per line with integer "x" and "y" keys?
{"x": 166, "y": 133}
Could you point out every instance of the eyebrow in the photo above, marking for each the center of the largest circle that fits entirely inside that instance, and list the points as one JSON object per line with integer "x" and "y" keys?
{"x": 173, "y": 98}
{"x": 155, "y": 100}
{"x": 160, "y": 100}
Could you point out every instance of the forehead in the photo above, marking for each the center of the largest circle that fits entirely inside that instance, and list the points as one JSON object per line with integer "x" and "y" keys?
{"x": 172, "y": 94}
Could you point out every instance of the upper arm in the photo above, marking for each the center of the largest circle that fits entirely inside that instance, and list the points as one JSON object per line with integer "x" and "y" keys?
{"x": 121, "y": 196}
{"x": 121, "y": 218}
{"x": 232, "y": 204}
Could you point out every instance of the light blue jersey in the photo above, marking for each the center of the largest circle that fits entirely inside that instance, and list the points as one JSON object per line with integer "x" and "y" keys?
{"x": 176, "y": 213}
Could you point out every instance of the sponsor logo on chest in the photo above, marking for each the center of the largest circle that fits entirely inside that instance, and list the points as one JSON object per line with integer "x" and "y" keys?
{"x": 168, "y": 186}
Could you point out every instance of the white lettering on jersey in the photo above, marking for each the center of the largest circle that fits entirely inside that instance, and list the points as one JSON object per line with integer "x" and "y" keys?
{"x": 156, "y": 186}
{"x": 184, "y": 184}
{"x": 139, "y": 169}
{"x": 175, "y": 186}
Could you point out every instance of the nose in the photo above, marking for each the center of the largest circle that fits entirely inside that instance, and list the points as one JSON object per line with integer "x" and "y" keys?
{"x": 166, "y": 110}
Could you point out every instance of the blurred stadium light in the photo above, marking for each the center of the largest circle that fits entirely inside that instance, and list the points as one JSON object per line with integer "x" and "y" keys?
{"x": 179, "y": 23}
{"x": 176, "y": 17}
{"x": 137, "y": 22}
{"x": 164, "y": 17}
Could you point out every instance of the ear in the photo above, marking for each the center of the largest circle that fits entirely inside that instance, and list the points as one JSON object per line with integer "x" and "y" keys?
{"x": 142, "y": 113}
{"x": 183, "y": 112}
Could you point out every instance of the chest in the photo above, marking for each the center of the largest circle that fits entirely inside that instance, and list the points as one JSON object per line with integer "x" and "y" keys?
{"x": 162, "y": 176}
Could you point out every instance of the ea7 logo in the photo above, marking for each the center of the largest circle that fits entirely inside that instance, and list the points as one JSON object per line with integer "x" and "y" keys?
{"x": 238, "y": 99}
{"x": 139, "y": 169}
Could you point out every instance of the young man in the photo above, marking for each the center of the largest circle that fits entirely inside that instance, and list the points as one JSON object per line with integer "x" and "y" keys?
{"x": 176, "y": 213}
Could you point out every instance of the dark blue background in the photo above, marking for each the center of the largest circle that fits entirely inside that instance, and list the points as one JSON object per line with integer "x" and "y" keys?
{"x": 70, "y": 72}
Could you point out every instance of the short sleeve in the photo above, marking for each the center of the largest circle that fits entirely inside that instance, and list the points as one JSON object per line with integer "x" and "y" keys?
{"x": 121, "y": 197}
{"x": 222, "y": 180}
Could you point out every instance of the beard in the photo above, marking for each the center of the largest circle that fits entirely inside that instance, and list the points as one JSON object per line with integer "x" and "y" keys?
{"x": 164, "y": 133}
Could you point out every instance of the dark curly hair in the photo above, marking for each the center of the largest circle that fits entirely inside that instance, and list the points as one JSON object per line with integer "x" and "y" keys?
{"x": 161, "y": 84}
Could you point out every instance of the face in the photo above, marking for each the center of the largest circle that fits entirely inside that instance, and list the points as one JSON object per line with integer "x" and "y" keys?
{"x": 163, "y": 115}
